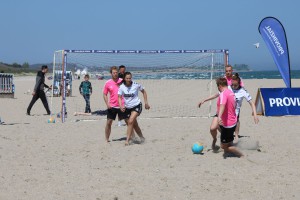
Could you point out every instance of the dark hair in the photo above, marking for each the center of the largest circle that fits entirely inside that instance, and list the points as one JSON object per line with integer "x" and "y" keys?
{"x": 221, "y": 81}
{"x": 125, "y": 74}
{"x": 237, "y": 78}
{"x": 44, "y": 67}
{"x": 86, "y": 76}
{"x": 121, "y": 66}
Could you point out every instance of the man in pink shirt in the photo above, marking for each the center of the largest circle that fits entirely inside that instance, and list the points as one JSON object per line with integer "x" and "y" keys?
{"x": 228, "y": 75}
{"x": 227, "y": 118}
{"x": 111, "y": 87}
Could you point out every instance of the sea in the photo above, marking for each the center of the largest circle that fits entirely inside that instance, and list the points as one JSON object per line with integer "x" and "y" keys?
{"x": 295, "y": 74}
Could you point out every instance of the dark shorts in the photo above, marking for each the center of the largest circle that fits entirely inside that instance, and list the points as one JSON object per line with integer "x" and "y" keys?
{"x": 227, "y": 134}
{"x": 137, "y": 109}
{"x": 112, "y": 113}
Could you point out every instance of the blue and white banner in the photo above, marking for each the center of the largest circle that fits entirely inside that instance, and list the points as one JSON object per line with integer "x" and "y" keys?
{"x": 274, "y": 36}
{"x": 280, "y": 101}
{"x": 148, "y": 51}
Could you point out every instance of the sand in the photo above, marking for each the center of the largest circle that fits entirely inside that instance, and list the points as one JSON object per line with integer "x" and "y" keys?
{"x": 71, "y": 160}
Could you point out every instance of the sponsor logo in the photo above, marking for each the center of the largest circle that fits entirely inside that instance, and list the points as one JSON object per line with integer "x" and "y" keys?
{"x": 129, "y": 95}
{"x": 286, "y": 101}
{"x": 272, "y": 36}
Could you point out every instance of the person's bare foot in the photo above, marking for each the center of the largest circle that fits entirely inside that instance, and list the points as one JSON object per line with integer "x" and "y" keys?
{"x": 214, "y": 147}
{"x": 126, "y": 143}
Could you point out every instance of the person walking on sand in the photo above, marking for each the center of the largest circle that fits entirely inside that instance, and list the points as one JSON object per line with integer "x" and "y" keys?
{"x": 38, "y": 91}
{"x": 86, "y": 91}
{"x": 227, "y": 118}
{"x": 111, "y": 87}
{"x": 133, "y": 105}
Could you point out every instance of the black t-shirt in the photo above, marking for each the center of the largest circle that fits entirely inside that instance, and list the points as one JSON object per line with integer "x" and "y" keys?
{"x": 121, "y": 76}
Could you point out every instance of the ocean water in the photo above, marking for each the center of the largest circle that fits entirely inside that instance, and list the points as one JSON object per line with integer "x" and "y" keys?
{"x": 295, "y": 74}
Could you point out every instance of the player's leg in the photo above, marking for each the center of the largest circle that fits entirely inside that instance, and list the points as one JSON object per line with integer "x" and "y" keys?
{"x": 32, "y": 102}
{"x": 130, "y": 124}
{"x": 227, "y": 136}
{"x": 108, "y": 129}
{"x": 111, "y": 115}
{"x": 237, "y": 131}
{"x": 45, "y": 102}
{"x": 214, "y": 132}
{"x": 138, "y": 130}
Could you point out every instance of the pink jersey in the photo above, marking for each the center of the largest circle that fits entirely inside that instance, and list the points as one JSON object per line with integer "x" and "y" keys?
{"x": 230, "y": 79}
{"x": 112, "y": 88}
{"x": 228, "y": 117}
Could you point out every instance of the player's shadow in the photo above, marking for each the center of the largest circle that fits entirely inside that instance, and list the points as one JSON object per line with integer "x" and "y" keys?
{"x": 241, "y": 136}
{"x": 10, "y": 124}
{"x": 229, "y": 155}
{"x": 120, "y": 139}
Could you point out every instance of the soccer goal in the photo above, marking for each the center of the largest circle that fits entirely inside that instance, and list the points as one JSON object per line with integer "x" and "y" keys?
{"x": 175, "y": 80}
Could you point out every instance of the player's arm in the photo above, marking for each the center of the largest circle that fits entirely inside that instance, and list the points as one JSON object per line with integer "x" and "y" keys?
{"x": 91, "y": 88}
{"x": 147, "y": 106}
{"x": 253, "y": 107}
{"x": 208, "y": 99}
{"x": 122, "y": 107}
{"x": 221, "y": 111}
{"x": 106, "y": 100}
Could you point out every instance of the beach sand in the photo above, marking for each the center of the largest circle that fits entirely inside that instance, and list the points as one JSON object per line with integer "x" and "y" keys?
{"x": 71, "y": 160}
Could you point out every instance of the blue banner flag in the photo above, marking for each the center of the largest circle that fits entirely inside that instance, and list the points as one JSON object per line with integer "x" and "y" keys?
{"x": 280, "y": 101}
{"x": 274, "y": 36}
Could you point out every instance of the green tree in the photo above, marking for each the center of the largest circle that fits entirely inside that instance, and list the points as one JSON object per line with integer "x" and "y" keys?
{"x": 16, "y": 65}
{"x": 25, "y": 65}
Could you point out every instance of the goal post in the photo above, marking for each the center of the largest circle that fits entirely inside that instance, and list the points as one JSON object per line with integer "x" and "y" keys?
{"x": 59, "y": 77}
{"x": 156, "y": 69}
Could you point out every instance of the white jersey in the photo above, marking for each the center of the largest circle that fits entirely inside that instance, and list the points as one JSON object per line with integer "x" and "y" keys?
{"x": 131, "y": 94}
{"x": 240, "y": 94}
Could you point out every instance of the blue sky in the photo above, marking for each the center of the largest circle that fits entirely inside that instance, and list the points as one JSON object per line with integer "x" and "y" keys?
{"x": 31, "y": 30}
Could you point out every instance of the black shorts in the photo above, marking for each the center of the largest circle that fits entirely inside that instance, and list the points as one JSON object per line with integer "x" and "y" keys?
{"x": 112, "y": 113}
{"x": 137, "y": 109}
{"x": 227, "y": 134}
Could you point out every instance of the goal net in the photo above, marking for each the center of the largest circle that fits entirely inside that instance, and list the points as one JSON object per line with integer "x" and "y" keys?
{"x": 175, "y": 80}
